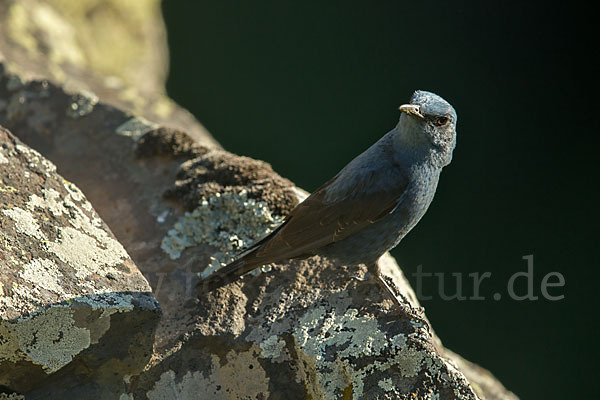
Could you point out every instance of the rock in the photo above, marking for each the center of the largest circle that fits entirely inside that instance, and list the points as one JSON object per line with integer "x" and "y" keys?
{"x": 69, "y": 43}
{"x": 66, "y": 34}
{"x": 305, "y": 330}
{"x": 180, "y": 206}
{"x": 482, "y": 381}
{"x": 11, "y": 396}
{"x": 309, "y": 322}
{"x": 73, "y": 306}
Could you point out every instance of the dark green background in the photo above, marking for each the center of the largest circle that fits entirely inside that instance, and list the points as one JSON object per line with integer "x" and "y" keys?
{"x": 307, "y": 86}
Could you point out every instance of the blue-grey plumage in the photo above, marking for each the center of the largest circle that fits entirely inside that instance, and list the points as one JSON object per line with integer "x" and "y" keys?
{"x": 371, "y": 204}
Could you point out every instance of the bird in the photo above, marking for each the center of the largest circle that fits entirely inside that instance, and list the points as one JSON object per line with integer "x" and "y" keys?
{"x": 370, "y": 205}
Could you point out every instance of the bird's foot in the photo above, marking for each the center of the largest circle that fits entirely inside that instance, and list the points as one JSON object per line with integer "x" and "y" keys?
{"x": 403, "y": 306}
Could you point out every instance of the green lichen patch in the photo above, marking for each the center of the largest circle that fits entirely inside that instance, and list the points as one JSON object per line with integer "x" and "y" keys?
{"x": 237, "y": 375}
{"x": 333, "y": 343}
{"x": 228, "y": 221}
{"x": 50, "y": 338}
{"x": 84, "y": 245}
{"x": 11, "y": 396}
{"x": 25, "y": 223}
{"x": 272, "y": 347}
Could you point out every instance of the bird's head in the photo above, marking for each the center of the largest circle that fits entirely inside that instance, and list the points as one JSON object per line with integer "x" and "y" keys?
{"x": 430, "y": 117}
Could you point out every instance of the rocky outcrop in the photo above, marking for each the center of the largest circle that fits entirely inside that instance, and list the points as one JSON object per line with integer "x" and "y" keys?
{"x": 72, "y": 303}
{"x": 178, "y": 205}
{"x": 70, "y": 43}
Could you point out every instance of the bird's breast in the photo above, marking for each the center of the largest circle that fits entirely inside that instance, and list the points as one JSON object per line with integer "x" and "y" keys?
{"x": 414, "y": 202}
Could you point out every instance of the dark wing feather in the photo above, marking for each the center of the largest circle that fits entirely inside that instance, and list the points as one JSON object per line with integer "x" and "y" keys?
{"x": 316, "y": 223}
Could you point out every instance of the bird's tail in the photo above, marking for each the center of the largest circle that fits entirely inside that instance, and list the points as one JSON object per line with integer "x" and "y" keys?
{"x": 245, "y": 262}
{"x": 229, "y": 273}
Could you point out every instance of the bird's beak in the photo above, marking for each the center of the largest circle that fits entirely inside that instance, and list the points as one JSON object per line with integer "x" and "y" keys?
{"x": 411, "y": 109}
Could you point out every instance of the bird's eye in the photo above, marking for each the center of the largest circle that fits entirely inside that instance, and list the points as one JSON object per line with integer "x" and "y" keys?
{"x": 441, "y": 121}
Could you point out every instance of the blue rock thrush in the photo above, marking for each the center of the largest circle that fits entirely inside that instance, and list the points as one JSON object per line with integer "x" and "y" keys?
{"x": 371, "y": 204}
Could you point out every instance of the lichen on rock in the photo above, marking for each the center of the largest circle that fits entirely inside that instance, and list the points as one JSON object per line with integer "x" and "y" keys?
{"x": 228, "y": 221}
{"x": 77, "y": 317}
{"x": 64, "y": 278}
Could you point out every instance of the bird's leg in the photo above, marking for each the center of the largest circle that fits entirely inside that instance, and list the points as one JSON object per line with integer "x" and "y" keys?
{"x": 375, "y": 272}
{"x": 403, "y": 308}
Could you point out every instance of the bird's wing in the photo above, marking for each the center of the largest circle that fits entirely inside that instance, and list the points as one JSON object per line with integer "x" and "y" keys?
{"x": 319, "y": 220}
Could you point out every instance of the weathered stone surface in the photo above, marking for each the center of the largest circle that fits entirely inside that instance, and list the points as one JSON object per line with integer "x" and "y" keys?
{"x": 113, "y": 51}
{"x": 181, "y": 206}
{"x": 307, "y": 329}
{"x": 482, "y": 380}
{"x": 131, "y": 184}
{"x": 64, "y": 32}
{"x": 11, "y": 396}
{"x": 70, "y": 296}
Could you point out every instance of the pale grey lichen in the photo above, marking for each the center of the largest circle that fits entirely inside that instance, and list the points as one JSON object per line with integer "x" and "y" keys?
{"x": 42, "y": 273}
{"x": 25, "y": 222}
{"x": 36, "y": 163}
{"x": 237, "y": 376}
{"x": 109, "y": 302}
{"x": 50, "y": 200}
{"x": 49, "y": 338}
{"x": 228, "y": 221}
{"x": 84, "y": 245}
{"x": 330, "y": 342}
{"x": 81, "y": 104}
{"x": 52, "y": 336}
{"x": 86, "y": 254}
{"x": 11, "y": 396}
{"x": 135, "y": 127}
{"x": 386, "y": 384}
{"x": 272, "y": 347}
